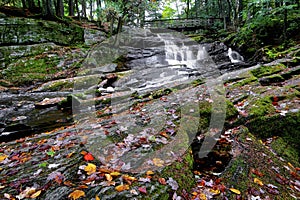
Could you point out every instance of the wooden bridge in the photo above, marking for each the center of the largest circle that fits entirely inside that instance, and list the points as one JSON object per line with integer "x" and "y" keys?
{"x": 186, "y": 24}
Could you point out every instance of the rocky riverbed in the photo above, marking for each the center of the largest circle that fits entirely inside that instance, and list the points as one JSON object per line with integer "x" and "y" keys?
{"x": 122, "y": 121}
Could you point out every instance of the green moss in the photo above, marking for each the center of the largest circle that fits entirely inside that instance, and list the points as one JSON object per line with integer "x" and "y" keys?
{"x": 267, "y": 70}
{"x": 231, "y": 111}
{"x": 60, "y": 85}
{"x": 261, "y": 107}
{"x": 286, "y": 150}
{"x": 287, "y": 127}
{"x": 31, "y": 70}
{"x": 238, "y": 173}
{"x": 197, "y": 82}
{"x": 246, "y": 81}
{"x": 181, "y": 171}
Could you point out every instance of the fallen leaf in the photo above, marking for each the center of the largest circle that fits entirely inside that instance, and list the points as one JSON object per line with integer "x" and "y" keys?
{"x": 108, "y": 177}
{"x": 259, "y": 182}
{"x": 257, "y": 172}
{"x": 235, "y": 191}
{"x": 272, "y": 191}
{"x": 143, "y": 190}
{"x": 90, "y": 168}
{"x": 76, "y": 194}
{"x": 121, "y": 188}
{"x": 3, "y": 157}
{"x": 97, "y": 198}
{"x": 88, "y": 157}
{"x": 115, "y": 173}
{"x": 171, "y": 182}
{"x": 162, "y": 181}
{"x": 149, "y": 172}
{"x": 215, "y": 192}
{"x": 36, "y": 194}
{"x": 158, "y": 162}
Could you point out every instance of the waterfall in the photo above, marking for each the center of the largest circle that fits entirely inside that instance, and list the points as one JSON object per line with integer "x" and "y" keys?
{"x": 182, "y": 52}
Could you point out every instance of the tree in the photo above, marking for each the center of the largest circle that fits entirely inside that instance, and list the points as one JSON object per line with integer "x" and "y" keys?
{"x": 48, "y": 12}
{"x": 59, "y": 8}
{"x": 71, "y": 7}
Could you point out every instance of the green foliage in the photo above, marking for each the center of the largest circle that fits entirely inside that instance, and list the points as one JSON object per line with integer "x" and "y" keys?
{"x": 268, "y": 27}
{"x": 168, "y": 12}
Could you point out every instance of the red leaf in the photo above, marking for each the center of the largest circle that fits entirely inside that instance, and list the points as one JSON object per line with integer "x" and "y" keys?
{"x": 143, "y": 190}
{"x": 88, "y": 157}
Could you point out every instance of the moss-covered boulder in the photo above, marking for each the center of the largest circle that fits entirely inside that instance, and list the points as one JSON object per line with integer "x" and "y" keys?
{"x": 17, "y": 31}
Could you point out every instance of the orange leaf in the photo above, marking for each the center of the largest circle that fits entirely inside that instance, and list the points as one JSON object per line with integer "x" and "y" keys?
{"x": 76, "y": 194}
{"x": 97, "y": 198}
{"x": 121, "y": 188}
{"x": 68, "y": 183}
{"x": 88, "y": 157}
{"x": 162, "y": 181}
{"x": 129, "y": 178}
{"x": 235, "y": 191}
{"x": 83, "y": 153}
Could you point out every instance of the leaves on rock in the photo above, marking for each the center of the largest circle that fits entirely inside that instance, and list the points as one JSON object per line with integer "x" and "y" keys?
{"x": 76, "y": 194}
{"x": 90, "y": 168}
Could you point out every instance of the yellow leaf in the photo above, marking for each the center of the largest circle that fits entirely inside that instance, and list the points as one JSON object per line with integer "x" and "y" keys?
{"x": 76, "y": 194}
{"x": 235, "y": 191}
{"x": 97, "y": 198}
{"x": 121, "y": 188}
{"x": 259, "y": 182}
{"x": 108, "y": 177}
{"x": 129, "y": 178}
{"x": 158, "y": 162}
{"x": 3, "y": 157}
{"x": 215, "y": 192}
{"x": 90, "y": 168}
{"x": 202, "y": 196}
{"x": 36, "y": 194}
{"x": 2, "y": 186}
{"x": 149, "y": 172}
{"x": 291, "y": 166}
{"x": 115, "y": 173}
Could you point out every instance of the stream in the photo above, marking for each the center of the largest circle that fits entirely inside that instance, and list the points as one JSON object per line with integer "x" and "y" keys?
{"x": 154, "y": 61}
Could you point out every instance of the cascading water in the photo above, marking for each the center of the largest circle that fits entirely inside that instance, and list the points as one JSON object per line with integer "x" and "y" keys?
{"x": 183, "y": 53}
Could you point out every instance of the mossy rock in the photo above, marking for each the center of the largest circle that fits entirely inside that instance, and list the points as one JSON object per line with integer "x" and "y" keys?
{"x": 286, "y": 127}
{"x": 268, "y": 80}
{"x": 267, "y": 70}
{"x": 261, "y": 107}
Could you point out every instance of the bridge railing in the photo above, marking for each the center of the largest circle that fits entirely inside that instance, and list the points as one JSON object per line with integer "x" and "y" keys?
{"x": 182, "y": 23}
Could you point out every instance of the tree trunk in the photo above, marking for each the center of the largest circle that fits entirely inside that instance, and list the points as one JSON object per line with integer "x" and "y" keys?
{"x": 59, "y": 8}
{"x": 24, "y": 4}
{"x": 98, "y": 9}
{"x": 77, "y": 9}
{"x": 83, "y": 4}
{"x": 48, "y": 9}
{"x": 71, "y": 7}
{"x": 91, "y": 9}
{"x": 187, "y": 8}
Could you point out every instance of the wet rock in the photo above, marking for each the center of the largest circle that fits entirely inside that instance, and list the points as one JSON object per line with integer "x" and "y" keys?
{"x": 92, "y": 36}
{"x": 15, "y": 131}
{"x": 269, "y": 80}
{"x": 49, "y": 102}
